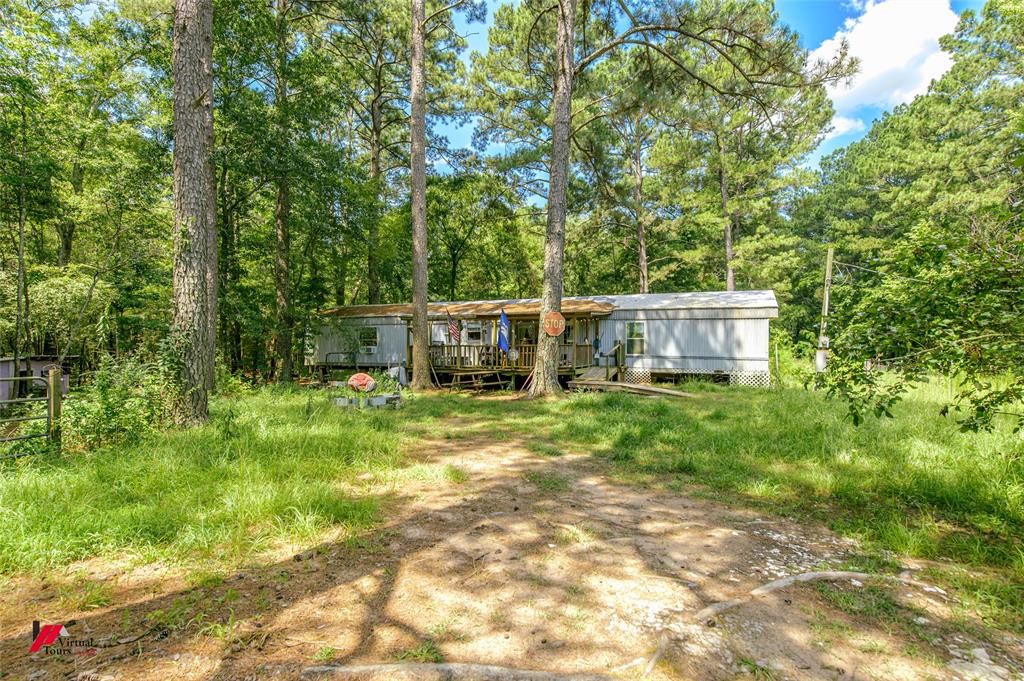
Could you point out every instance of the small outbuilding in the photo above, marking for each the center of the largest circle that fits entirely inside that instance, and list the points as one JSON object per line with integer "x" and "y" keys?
{"x": 636, "y": 338}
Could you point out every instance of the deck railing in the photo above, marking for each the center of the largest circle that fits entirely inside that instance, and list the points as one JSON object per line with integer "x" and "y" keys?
{"x": 492, "y": 358}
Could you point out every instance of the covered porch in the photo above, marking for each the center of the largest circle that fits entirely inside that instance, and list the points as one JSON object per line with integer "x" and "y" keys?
{"x": 476, "y": 349}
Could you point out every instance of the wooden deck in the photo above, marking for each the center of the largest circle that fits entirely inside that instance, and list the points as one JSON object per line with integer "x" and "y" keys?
{"x": 459, "y": 359}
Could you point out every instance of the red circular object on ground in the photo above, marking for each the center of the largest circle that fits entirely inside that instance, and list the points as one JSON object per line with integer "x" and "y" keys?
{"x": 362, "y": 382}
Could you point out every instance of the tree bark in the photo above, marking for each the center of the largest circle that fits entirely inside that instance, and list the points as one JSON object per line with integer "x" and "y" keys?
{"x": 638, "y": 203}
{"x": 723, "y": 182}
{"x": 282, "y": 206}
{"x": 20, "y": 294}
{"x": 225, "y": 257}
{"x": 373, "y": 235}
{"x": 66, "y": 227}
{"x": 282, "y": 280}
{"x": 418, "y": 129}
{"x": 545, "y": 371}
{"x": 194, "y": 206}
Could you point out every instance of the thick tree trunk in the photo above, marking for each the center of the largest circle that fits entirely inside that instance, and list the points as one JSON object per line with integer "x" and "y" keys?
{"x": 282, "y": 207}
{"x": 226, "y": 261}
{"x": 723, "y": 182}
{"x": 372, "y": 267}
{"x": 21, "y": 313}
{"x": 282, "y": 281}
{"x": 641, "y": 231}
{"x": 340, "y": 275}
{"x": 194, "y": 204}
{"x": 418, "y": 129}
{"x": 545, "y": 371}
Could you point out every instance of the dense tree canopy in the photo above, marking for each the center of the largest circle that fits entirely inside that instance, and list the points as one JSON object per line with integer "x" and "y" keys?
{"x": 689, "y": 128}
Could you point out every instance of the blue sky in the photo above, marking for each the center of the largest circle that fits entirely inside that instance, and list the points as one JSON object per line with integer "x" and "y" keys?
{"x": 896, "y": 41}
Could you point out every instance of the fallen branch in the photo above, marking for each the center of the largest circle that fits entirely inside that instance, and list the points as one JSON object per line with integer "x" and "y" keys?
{"x": 451, "y": 671}
{"x": 716, "y": 609}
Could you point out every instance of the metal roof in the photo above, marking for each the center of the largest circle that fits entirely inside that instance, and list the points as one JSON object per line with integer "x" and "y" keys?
{"x": 575, "y": 305}
{"x": 732, "y": 300}
{"x": 514, "y": 307}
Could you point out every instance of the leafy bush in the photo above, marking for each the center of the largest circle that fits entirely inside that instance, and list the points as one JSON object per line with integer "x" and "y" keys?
{"x": 125, "y": 400}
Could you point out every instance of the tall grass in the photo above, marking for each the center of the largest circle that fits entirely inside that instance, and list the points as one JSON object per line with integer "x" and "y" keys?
{"x": 269, "y": 467}
{"x": 276, "y": 466}
{"x": 914, "y": 483}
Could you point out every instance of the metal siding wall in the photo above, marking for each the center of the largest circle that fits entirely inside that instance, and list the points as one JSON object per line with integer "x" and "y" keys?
{"x": 391, "y": 349}
{"x": 684, "y": 345}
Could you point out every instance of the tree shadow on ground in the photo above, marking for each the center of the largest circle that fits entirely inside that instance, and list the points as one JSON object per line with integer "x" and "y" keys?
{"x": 498, "y": 548}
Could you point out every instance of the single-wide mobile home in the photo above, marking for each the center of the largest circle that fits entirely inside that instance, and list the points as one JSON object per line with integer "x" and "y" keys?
{"x": 635, "y": 337}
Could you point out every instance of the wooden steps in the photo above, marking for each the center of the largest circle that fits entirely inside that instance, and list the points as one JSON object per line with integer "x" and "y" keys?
{"x": 592, "y": 374}
{"x": 618, "y": 386}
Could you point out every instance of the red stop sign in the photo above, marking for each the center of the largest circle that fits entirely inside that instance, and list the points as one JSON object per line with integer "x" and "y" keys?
{"x": 554, "y": 323}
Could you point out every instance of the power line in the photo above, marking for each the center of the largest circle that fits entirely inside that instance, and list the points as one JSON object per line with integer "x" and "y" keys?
{"x": 884, "y": 274}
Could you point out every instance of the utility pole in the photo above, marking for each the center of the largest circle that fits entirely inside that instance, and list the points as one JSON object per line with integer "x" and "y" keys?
{"x": 821, "y": 356}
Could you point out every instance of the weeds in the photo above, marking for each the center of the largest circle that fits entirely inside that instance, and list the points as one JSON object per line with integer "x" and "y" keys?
{"x": 424, "y": 652}
{"x": 759, "y": 671}
{"x": 81, "y": 594}
{"x": 224, "y": 492}
{"x": 547, "y": 482}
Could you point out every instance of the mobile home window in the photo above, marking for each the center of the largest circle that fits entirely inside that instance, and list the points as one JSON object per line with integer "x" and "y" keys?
{"x": 368, "y": 339}
{"x": 634, "y": 338}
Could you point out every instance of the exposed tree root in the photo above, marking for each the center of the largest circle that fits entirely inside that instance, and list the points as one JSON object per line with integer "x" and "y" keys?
{"x": 716, "y": 609}
{"x": 440, "y": 672}
{"x": 662, "y": 647}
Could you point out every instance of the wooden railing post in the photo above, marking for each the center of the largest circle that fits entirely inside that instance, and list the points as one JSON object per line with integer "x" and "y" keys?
{"x": 54, "y": 394}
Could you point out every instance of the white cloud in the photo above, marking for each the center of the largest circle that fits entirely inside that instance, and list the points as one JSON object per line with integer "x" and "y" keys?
{"x": 897, "y": 43}
{"x": 842, "y": 125}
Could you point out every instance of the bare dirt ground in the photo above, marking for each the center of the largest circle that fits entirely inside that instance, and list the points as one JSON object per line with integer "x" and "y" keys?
{"x": 532, "y": 562}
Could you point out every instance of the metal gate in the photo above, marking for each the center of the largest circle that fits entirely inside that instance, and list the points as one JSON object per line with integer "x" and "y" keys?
{"x": 52, "y": 385}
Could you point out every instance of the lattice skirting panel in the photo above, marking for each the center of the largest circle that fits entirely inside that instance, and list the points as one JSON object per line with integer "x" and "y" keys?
{"x": 756, "y": 379}
{"x": 638, "y": 375}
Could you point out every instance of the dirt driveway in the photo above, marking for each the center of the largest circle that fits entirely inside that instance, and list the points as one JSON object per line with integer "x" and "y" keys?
{"x": 530, "y": 562}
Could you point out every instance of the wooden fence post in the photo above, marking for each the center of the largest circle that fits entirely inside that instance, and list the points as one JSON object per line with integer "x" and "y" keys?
{"x": 54, "y": 394}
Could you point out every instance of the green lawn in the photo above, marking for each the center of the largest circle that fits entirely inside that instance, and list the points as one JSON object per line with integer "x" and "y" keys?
{"x": 270, "y": 467}
{"x": 275, "y": 466}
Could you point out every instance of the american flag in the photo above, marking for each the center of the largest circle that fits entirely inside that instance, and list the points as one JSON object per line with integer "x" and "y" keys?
{"x": 453, "y": 328}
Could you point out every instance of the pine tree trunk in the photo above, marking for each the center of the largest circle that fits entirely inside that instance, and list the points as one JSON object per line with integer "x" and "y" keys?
{"x": 282, "y": 207}
{"x": 373, "y": 235}
{"x": 21, "y": 313}
{"x": 194, "y": 205}
{"x": 641, "y": 231}
{"x": 545, "y": 371}
{"x": 723, "y": 182}
{"x": 418, "y": 128}
{"x": 282, "y": 281}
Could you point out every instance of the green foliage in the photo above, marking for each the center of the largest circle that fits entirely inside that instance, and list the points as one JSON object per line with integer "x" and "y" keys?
{"x": 930, "y": 203}
{"x": 123, "y": 402}
{"x": 424, "y": 652}
{"x": 209, "y": 495}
